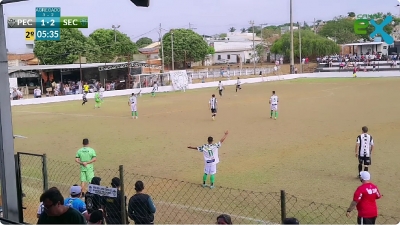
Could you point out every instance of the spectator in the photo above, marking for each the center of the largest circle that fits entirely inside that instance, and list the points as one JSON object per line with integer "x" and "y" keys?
{"x": 141, "y": 208}
{"x": 93, "y": 201}
{"x": 224, "y": 219}
{"x": 55, "y": 212}
{"x": 291, "y": 220}
{"x": 75, "y": 202}
{"x": 112, "y": 206}
{"x": 365, "y": 200}
{"x": 96, "y": 217}
{"x": 41, "y": 207}
{"x": 37, "y": 93}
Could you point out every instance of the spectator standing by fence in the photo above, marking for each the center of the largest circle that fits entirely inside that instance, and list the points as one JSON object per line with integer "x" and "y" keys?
{"x": 365, "y": 200}
{"x": 112, "y": 206}
{"x": 85, "y": 157}
{"x": 93, "y": 201}
{"x": 75, "y": 202}
{"x": 55, "y": 212}
{"x": 141, "y": 208}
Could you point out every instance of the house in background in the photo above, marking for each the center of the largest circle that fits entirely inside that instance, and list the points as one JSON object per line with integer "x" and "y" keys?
{"x": 22, "y": 59}
{"x": 152, "y": 55}
{"x": 235, "y": 49}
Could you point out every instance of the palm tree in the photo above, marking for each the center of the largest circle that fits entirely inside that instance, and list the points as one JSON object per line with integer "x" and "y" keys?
{"x": 243, "y": 30}
{"x": 232, "y": 29}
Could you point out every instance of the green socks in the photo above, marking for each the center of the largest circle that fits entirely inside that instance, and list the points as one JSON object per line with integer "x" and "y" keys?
{"x": 135, "y": 113}
{"x": 272, "y": 112}
{"x": 276, "y": 114}
{"x": 212, "y": 179}
{"x": 204, "y": 178}
{"x": 153, "y": 94}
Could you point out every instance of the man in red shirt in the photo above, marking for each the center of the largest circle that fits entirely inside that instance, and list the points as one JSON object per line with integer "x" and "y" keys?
{"x": 365, "y": 200}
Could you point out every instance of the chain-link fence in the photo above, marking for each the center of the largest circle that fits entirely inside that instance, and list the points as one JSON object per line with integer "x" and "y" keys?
{"x": 180, "y": 202}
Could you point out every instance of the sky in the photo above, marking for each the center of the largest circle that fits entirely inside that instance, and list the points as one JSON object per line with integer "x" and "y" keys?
{"x": 209, "y": 17}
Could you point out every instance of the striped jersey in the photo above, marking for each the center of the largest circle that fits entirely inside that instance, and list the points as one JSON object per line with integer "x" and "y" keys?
{"x": 84, "y": 95}
{"x": 220, "y": 86}
{"x": 210, "y": 152}
{"x": 274, "y": 100}
{"x": 213, "y": 103}
{"x": 365, "y": 143}
{"x": 133, "y": 100}
{"x": 155, "y": 87}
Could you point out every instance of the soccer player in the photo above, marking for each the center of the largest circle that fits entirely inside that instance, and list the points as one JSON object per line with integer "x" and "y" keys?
{"x": 101, "y": 93}
{"x": 273, "y": 101}
{"x": 85, "y": 157}
{"x": 86, "y": 88}
{"x": 133, "y": 103}
{"x": 211, "y": 159}
{"x": 220, "y": 88}
{"x": 213, "y": 106}
{"x": 363, "y": 149}
{"x": 155, "y": 88}
{"x": 84, "y": 98}
{"x": 97, "y": 100}
{"x": 238, "y": 84}
{"x": 364, "y": 199}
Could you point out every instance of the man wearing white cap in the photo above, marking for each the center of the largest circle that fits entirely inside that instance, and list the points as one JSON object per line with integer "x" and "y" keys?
{"x": 75, "y": 202}
{"x": 365, "y": 200}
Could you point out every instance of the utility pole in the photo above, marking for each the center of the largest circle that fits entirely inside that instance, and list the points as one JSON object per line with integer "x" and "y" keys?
{"x": 172, "y": 49}
{"x": 115, "y": 31}
{"x": 301, "y": 62}
{"x": 80, "y": 67}
{"x": 254, "y": 47}
{"x": 262, "y": 41}
{"x": 191, "y": 28}
{"x": 291, "y": 39}
{"x": 162, "y": 49}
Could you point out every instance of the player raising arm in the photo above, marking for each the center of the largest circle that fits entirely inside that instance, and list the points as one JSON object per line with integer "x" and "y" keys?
{"x": 133, "y": 103}
{"x": 211, "y": 159}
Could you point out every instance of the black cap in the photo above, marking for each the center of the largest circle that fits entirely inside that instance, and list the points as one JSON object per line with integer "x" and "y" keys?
{"x": 96, "y": 180}
{"x": 116, "y": 182}
{"x": 226, "y": 218}
{"x": 291, "y": 220}
{"x": 96, "y": 216}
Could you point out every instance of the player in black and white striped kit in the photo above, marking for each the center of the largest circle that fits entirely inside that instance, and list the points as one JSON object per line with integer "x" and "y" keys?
{"x": 363, "y": 150}
{"x": 213, "y": 106}
{"x": 220, "y": 88}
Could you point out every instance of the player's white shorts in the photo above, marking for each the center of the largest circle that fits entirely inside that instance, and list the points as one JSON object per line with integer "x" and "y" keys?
{"x": 101, "y": 96}
{"x": 274, "y": 107}
{"x": 133, "y": 108}
{"x": 210, "y": 168}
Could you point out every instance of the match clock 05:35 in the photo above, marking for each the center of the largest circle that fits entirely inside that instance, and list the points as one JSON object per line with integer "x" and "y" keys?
{"x": 48, "y": 34}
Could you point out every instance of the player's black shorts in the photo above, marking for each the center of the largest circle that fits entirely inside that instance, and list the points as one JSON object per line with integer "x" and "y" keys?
{"x": 364, "y": 160}
{"x": 238, "y": 86}
{"x": 213, "y": 110}
{"x": 220, "y": 92}
{"x": 366, "y": 220}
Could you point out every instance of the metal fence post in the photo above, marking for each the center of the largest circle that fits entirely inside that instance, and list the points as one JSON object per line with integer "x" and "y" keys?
{"x": 283, "y": 205}
{"x": 19, "y": 187}
{"x": 123, "y": 197}
{"x": 44, "y": 172}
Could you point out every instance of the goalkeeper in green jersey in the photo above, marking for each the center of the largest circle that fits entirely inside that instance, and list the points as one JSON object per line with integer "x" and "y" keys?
{"x": 97, "y": 100}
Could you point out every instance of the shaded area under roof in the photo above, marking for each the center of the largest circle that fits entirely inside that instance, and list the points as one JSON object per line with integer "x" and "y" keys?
{"x": 13, "y": 69}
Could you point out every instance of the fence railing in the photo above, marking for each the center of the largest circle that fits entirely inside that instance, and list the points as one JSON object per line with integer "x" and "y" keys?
{"x": 180, "y": 202}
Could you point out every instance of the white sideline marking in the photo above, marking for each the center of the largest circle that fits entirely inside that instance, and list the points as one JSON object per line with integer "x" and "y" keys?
{"x": 182, "y": 206}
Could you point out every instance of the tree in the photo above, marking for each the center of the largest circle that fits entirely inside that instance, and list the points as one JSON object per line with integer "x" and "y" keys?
{"x": 66, "y": 51}
{"x": 188, "y": 46}
{"x": 340, "y": 29}
{"x": 243, "y": 30}
{"x": 223, "y": 35}
{"x": 143, "y": 42}
{"x": 260, "y": 50}
{"x": 232, "y": 29}
{"x": 312, "y": 45}
{"x": 210, "y": 50}
{"x": 105, "y": 40}
{"x": 351, "y": 14}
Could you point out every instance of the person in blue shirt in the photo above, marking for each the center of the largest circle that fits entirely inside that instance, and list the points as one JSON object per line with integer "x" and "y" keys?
{"x": 75, "y": 202}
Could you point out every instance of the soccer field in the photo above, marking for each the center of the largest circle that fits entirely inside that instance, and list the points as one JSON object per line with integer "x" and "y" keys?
{"x": 308, "y": 151}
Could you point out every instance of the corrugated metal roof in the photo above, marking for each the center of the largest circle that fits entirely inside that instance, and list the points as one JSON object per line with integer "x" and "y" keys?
{"x": 233, "y": 46}
{"x": 13, "y": 69}
{"x": 153, "y": 45}
{"x": 364, "y": 43}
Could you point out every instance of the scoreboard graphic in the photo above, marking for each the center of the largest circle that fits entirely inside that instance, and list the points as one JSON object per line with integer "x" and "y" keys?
{"x": 47, "y": 23}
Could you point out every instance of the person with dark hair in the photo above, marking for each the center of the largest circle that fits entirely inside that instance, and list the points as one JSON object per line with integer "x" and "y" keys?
{"x": 55, "y": 212}
{"x": 112, "y": 206}
{"x": 85, "y": 157}
{"x": 211, "y": 158}
{"x": 141, "y": 208}
{"x": 96, "y": 217}
{"x": 363, "y": 150}
{"x": 41, "y": 208}
{"x": 291, "y": 220}
{"x": 93, "y": 201}
{"x": 224, "y": 219}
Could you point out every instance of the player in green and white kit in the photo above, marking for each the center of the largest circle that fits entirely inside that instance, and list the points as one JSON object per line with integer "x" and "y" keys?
{"x": 85, "y": 157}
{"x": 97, "y": 100}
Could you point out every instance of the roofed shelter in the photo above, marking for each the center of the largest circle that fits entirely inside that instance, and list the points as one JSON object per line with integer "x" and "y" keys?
{"x": 364, "y": 48}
